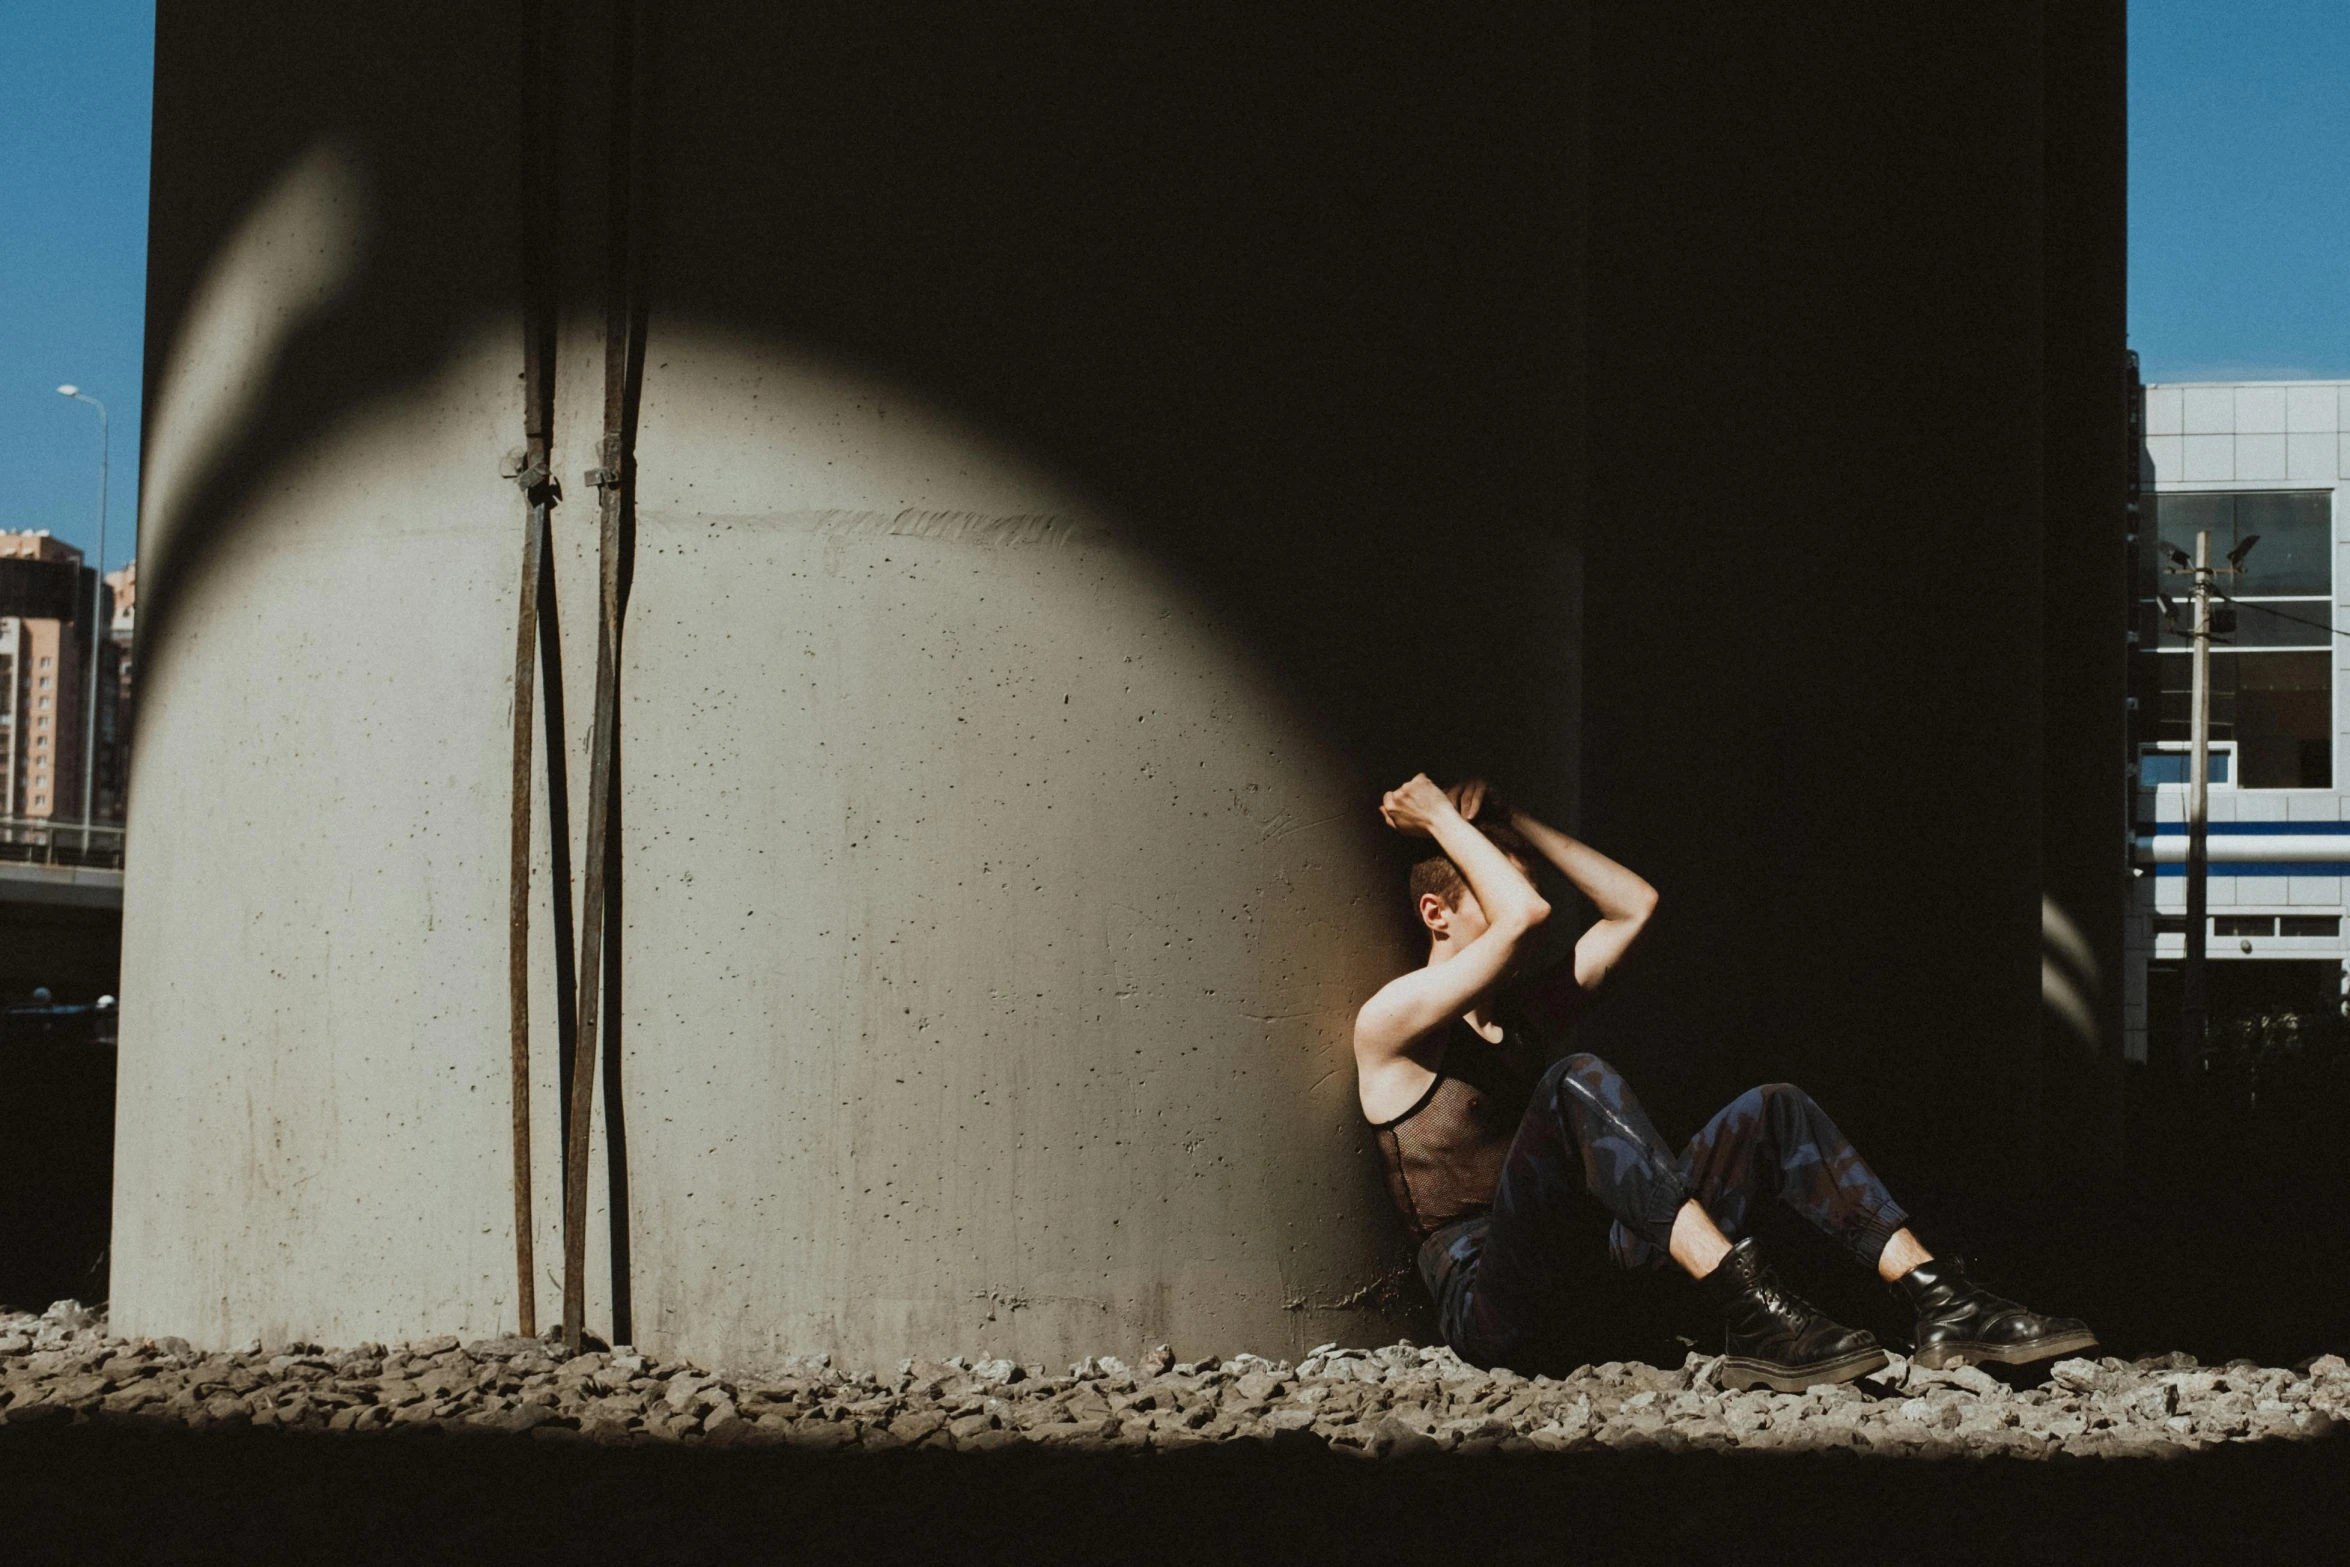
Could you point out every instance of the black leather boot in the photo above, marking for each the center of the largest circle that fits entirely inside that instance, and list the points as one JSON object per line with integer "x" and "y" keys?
{"x": 1776, "y": 1339}
{"x": 1959, "y": 1321}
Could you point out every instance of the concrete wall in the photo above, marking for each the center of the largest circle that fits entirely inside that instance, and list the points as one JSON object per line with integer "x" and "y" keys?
{"x": 1074, "y": 479}
{"x": 992, "y": 934}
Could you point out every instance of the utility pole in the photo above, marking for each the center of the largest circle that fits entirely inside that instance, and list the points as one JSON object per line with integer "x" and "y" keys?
{"x": 2195, "y": 1008}
{"x": 101, "y": 620}
{"x": 2195, "y": 986}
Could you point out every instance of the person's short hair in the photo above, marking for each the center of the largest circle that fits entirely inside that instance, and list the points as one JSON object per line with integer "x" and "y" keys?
{"x": 1437, "y": 874}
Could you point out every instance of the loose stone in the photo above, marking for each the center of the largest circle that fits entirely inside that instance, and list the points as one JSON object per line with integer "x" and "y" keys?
{"x": 1392, "y": 1401}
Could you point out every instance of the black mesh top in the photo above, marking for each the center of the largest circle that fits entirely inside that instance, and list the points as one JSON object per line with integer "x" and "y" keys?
{"x": 1444, "y": 1155}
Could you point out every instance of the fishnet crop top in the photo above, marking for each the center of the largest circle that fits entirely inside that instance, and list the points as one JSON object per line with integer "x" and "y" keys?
{"x": 1444, "y": 1155}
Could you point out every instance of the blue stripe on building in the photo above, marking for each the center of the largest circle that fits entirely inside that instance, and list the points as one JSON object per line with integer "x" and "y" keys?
{"x": 2266, "y": 868}
{"x": 2255, "y": 829}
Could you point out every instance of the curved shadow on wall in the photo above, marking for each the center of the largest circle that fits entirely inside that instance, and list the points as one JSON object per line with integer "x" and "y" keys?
{"x": 1293, "y": 295}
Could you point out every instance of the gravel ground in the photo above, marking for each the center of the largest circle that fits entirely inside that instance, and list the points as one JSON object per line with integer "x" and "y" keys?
{"x": 62, "y": 1367}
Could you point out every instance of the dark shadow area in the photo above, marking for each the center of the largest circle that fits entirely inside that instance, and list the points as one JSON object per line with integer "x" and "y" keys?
{"x": 2234, "y": 1151}
{"x": 1834, "y": 234}
{"x": 122, "y": 1495}
{"x": 57, "y": 1061}
{"x": 56, "y": 1164}
{"x": 73, "y": 953}
{"x": 1294, "y": 289}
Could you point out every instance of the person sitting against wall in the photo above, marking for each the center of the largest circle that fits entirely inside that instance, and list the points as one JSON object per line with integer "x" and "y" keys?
{"x": 1489, "y": 1154}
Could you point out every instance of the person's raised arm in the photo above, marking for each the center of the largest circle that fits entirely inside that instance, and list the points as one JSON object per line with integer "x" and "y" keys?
{"x": 1410, "y": 1006}
{"x": 1623, "y": 900}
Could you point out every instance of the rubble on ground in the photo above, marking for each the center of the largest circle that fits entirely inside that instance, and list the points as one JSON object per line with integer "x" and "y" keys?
{"x": 62, "y": 1367}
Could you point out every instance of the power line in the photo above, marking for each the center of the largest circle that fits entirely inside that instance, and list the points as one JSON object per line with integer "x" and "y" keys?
{"x": 2315, "y": 625}
{"x": 2281, "y": 615}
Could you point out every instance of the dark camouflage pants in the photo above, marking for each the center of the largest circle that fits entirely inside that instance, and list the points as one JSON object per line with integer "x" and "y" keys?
{"x": 1503, "y": 1281}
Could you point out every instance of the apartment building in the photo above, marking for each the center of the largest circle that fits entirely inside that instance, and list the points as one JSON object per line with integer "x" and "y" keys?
{"x": 45, "y": 658}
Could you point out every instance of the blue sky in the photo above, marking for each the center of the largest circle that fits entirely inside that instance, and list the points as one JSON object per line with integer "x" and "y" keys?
{"x": 75, "y": 86}
{"x": 2239, "y": 220}
{"x": 2240, "y": 188}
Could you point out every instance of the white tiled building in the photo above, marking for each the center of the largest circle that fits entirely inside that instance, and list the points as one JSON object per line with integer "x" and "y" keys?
{"x": 2241, "y": 459}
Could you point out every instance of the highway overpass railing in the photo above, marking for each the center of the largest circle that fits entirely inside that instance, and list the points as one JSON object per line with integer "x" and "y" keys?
{"x": 40, "y": 841}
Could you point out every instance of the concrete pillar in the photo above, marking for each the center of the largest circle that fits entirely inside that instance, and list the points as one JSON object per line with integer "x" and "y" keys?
{"x": 1855, "y": 567}
{"x": 1078, "y": 469}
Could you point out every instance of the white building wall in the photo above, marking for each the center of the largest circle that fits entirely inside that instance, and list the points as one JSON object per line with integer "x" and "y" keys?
{"x": 2249, "y": 435}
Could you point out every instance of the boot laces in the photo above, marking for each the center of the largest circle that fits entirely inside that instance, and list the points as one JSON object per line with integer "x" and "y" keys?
{"x": 1789, "y": 1308}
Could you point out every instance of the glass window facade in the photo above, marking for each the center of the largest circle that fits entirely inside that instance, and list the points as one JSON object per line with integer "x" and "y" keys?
{"x": 2295, "y": 529}
{"x": 2272, "y": 689}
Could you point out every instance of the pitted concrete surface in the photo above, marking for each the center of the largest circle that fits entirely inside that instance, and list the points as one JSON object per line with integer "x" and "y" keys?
{"x": 1395, "y": 1401}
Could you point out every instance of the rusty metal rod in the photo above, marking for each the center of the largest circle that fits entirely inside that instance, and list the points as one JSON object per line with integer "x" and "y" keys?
{"x": 518, "y": 928}
{"x": 591, "y": 936}
{"x": 591, "y": 940}
{"x": 538, "y": 375}
{"x": 611, "y": 480}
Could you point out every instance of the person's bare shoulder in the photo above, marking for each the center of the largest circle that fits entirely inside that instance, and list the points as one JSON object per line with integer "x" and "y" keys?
{"x": 1395, "y": 1017}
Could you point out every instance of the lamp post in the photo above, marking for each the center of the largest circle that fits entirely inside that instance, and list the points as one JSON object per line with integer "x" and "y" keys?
{"x": 98, "y": 625}
{"x": 2195, "y": 979}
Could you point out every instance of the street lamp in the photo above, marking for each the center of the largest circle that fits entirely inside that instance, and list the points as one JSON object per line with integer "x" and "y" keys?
{"x": 98, "y": 624}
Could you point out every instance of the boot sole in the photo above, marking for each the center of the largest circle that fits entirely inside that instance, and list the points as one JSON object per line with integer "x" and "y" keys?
{"x": 1739, "y": 1374}
{"x": 1943, "y": 1356}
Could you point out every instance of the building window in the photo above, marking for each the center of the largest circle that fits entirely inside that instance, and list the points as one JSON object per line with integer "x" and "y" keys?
{"x": 2310, "y": 925}
{"x": 2272, "y": 687}
{"x": 2243, "y": 925}
{"x": 44, "y": 678}
{"x": 2176, "y": 766}
{"x": 46, "y": 661}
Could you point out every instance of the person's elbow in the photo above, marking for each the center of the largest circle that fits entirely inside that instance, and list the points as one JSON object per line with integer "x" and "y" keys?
{"x": 1524, "y": 914}
{"x": 1632, "y": 916}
